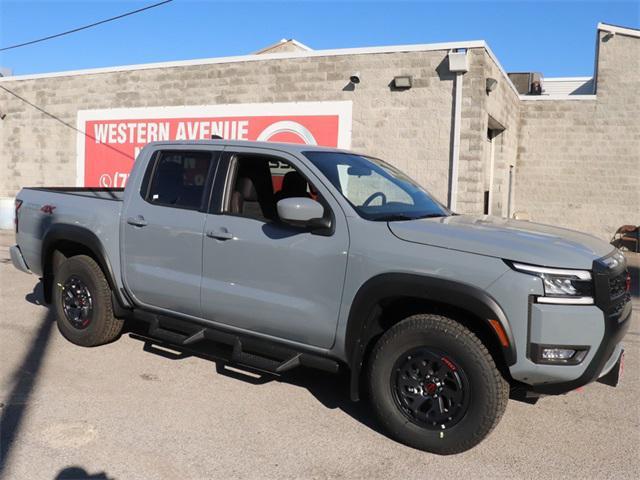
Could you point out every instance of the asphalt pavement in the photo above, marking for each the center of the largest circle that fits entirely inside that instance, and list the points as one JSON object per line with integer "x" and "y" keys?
{"x": 121, "y": 412}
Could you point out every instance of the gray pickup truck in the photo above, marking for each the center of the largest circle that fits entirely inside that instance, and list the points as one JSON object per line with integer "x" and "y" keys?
{"x": 291, "y": 255}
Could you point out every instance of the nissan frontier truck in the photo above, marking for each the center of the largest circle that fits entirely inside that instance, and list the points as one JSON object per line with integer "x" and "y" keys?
{"x": 302, "y": 256}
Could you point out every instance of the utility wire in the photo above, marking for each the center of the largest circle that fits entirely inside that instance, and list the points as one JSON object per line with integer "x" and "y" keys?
{"x": 68, "y": 125}
{"x": 86, "y": 26}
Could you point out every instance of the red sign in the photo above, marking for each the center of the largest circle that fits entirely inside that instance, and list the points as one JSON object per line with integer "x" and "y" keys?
{"x": 107, "y": 150}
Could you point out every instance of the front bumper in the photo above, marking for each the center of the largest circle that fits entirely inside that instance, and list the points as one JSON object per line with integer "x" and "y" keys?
{"x": 614, "y": 306}
{"x": 604, "y": 359}
{"x": 17, "y": 259}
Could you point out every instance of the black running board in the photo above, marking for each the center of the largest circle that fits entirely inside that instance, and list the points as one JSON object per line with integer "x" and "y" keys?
{"x": 246, "y": 351}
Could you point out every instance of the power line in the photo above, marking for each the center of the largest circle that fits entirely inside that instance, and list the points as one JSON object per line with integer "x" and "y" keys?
{"x": 86, "y": 26}
{"x": 68, "y": 125}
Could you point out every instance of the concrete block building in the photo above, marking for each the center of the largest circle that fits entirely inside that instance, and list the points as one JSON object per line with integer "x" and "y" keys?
{"x": 564, "y": 151}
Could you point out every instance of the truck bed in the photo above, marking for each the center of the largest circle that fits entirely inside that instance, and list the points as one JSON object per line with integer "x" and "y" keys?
{"x": 116, "y": 194}
{"x": 47, "y": 208}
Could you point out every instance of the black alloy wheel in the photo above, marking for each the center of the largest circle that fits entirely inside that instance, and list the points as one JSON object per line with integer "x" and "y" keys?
{"x": 77, "y": 302}
{"x": 83, "y": 303}
{"x": 430, "y": 389}
{"x": 433, "y": 384}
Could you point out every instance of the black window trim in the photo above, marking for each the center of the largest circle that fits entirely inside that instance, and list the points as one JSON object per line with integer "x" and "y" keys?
{"x": 205, "y": 199}
{"x": 208, "y": 194}
{"x": 217, "y": 199}
{"x": 148, "y": 175}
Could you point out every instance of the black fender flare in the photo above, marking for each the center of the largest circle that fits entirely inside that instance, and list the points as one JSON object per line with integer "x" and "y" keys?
{"x": 87, "y": 239}
{"x": 362, "y": 322}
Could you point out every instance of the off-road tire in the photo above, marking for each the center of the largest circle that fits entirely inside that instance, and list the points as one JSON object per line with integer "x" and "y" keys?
{"x": 103, "y": 327}
{"x": 489, "y": 391}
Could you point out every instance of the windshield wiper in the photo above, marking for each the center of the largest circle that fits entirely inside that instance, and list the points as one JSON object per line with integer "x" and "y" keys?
{"x": 432, "y": 215}
{"x": 396, "y": 217}
{"x": 393, "y": 218}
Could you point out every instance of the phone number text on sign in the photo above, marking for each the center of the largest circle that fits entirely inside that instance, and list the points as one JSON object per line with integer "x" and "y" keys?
{"x": 115, "y": 137}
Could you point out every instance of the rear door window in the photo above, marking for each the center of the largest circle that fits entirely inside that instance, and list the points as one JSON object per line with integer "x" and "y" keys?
{"x": 179, "y": 179}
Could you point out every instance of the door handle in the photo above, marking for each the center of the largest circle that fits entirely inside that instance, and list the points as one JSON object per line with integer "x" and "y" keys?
{"x": 223, "y": 234}
{"x": 137, "y": 221}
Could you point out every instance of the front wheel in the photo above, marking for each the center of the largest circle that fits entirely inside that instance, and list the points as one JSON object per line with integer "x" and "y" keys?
{"x": 434, "y": 386}
{"x": 82, "y": 301}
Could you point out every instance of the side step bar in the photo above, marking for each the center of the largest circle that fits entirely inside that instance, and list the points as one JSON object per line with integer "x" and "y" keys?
{"x": 169, "y": 336}
{"x": 261, "y": 355}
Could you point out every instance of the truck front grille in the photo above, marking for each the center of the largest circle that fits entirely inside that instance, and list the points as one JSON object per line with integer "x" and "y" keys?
{"x": 611, "y": 284}
{"x": 620, "y": 306}
{"x": 618, "y": 285}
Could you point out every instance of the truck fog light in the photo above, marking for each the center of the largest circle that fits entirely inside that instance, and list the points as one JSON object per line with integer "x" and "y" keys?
{"x": 557, "y": 353}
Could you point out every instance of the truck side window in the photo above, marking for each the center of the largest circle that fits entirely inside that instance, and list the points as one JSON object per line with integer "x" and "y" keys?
{"x": 260, "y": 182}
{"x": 179, "y": 179}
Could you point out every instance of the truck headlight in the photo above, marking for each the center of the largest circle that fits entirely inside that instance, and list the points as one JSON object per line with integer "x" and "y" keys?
{"x": 561, "y": 286}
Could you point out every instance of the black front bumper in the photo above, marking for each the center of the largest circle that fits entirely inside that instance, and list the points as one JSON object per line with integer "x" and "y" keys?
{"x": 615, "y": 304}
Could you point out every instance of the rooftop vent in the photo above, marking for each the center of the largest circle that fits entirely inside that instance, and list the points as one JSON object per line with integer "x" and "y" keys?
{"x": 527, "y": 83}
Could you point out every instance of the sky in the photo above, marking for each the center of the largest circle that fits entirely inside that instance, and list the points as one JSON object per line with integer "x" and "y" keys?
{"x": 556, "y": 38}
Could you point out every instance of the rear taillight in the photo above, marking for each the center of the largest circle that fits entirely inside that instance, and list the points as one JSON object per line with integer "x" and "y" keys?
{"x": 18, "y": 204}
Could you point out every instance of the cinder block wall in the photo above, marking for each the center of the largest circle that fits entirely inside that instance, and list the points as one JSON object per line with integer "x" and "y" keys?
{"x": 470, "y": 168}
{"x": 409, "y": 128}
{"x": 503, "y": 105}
{"x": 579, "y": 160}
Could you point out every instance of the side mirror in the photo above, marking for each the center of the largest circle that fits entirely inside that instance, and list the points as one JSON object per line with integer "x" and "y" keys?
{"x": 302, "y": 212}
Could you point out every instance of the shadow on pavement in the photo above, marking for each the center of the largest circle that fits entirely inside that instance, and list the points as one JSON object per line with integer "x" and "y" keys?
{"x": 36, "y": 296}
{"x": 24, "y": 380}
{"x": 79, "y": 473}
{"x": 330, "y": 390}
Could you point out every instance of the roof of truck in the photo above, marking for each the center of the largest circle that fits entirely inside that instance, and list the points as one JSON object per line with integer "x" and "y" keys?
{"x": 286, "y": 147}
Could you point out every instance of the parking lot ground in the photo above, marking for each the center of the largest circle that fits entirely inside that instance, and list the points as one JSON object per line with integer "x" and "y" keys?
{"x": 118, "y": 411}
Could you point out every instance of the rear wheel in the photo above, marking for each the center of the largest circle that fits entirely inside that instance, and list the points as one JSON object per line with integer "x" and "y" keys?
{"x": 434, "y": 386}
{"x": 82, "y": 302}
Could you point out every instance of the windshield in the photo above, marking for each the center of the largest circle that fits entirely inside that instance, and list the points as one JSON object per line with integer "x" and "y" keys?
{"x": 375, "y": 189}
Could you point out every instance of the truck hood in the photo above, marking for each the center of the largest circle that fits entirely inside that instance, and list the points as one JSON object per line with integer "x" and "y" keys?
{"x": 515, "y": 240}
